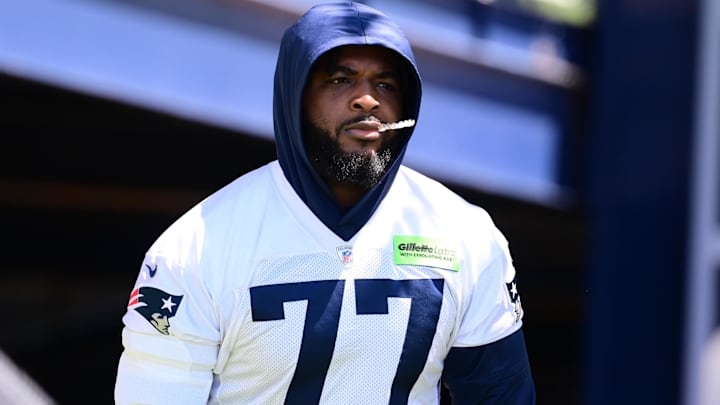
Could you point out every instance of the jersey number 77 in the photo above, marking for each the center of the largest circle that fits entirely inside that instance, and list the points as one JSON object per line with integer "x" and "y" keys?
{"x": 324, "y": 302}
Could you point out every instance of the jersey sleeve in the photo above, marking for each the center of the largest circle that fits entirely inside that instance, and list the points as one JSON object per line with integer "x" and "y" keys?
{"x": 496, "y": 373}
{"x": 493, "y": 309}
{"x": 488, "y": 362}
{"x": 170, "y": 337}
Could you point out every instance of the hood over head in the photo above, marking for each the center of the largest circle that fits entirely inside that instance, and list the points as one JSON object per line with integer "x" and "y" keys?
{"x": 322, "y": 28}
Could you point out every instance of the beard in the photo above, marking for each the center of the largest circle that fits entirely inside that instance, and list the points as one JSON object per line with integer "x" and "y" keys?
{"x": 361, "y": 169}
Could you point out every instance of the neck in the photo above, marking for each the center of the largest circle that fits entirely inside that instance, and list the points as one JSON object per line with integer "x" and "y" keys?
{"x": 346, "y": 195}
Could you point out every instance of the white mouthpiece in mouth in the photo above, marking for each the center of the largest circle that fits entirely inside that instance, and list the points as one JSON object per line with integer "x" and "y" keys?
{"x": 397, "y": 125}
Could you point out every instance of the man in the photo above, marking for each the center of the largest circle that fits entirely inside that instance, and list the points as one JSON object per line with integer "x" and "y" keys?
{"x": 334, "y": 274}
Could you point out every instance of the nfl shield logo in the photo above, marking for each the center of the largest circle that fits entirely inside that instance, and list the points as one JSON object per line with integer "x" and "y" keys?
{"x": 345, "y": 254}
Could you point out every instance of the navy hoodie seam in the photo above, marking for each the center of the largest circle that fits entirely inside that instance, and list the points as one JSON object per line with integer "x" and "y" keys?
{"x": 362, "y": 23}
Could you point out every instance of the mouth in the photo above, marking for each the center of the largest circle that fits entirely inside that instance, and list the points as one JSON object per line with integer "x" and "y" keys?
{"x": 367, "y": 130}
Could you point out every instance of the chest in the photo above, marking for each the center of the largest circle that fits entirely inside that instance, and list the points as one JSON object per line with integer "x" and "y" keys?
{"x": 324, "y": 326}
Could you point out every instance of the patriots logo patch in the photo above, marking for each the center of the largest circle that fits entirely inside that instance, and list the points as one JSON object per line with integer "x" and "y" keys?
{"x": 156, "y": 306}
{"x": 515, "y": 298}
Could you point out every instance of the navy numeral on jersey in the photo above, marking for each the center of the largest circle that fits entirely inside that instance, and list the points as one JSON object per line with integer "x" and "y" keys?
{"x": 324, "y": 301}
{"x": 372, "y": 298}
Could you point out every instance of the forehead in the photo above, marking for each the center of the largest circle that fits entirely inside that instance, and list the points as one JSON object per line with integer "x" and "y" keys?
{"x": 360, "y": 56}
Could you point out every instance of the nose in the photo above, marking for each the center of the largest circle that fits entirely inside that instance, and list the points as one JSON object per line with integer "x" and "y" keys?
{"x": 365, "y": 102}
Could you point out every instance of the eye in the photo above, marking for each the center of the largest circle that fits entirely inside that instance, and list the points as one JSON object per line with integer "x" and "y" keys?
{"x": 386, "y": 85}
{"x": 339, "y": 80}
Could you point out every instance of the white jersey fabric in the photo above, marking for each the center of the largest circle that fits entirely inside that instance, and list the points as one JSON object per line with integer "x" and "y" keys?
{"x": 260, "y": 303}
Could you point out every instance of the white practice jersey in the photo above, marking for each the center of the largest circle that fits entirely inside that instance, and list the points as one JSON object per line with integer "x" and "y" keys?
{"x": 249, "y": 299}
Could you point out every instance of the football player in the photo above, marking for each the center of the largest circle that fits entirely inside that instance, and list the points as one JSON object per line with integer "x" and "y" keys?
{"x": 334, "y": 274}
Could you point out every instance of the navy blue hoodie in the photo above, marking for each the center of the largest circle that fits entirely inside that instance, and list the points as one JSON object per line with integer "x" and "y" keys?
{"x": 321, "y": 29}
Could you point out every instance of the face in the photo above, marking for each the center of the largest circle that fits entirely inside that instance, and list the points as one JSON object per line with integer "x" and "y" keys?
{"x": 161, "y": 323}
{"x": 349, "y": 93}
